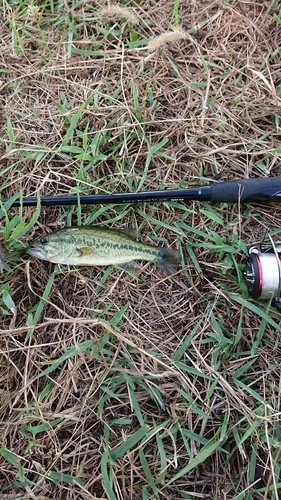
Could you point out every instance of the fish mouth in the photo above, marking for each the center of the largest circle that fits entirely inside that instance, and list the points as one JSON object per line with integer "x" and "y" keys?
{"x": 35, "y": 252}
{"x": 43, "y": 255}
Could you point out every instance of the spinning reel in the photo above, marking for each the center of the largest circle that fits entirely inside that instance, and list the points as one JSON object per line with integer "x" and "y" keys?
{"x": 263, "y": 272}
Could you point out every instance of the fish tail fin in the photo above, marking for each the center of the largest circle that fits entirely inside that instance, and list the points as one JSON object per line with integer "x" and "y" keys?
{"x": 168, "y": 260}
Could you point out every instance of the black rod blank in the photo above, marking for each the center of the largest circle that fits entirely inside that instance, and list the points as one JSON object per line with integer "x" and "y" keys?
{"x": 259, "y": 190}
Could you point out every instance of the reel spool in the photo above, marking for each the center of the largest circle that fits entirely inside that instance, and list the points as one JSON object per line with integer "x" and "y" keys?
{"x": 263, "y": 272}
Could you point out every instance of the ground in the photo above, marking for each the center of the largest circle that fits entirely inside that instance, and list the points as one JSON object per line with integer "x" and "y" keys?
{"x": 119, "y": 384}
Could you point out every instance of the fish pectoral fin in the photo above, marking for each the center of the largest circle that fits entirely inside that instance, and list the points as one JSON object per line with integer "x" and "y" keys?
{"x": 134, "y": 234}
{"x": 84, "y": 251}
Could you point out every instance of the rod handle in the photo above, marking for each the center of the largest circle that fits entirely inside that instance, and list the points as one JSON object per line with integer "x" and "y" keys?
{"x": 260, "y": 190}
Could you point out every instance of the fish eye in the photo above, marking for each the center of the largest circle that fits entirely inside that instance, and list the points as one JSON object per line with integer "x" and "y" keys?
{"x": 44, "y": 240}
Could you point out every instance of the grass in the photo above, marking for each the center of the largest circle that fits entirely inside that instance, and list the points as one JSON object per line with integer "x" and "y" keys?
{"x": 116, "y": 385}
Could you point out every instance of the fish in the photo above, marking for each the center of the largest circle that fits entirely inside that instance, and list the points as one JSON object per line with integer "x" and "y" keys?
{"x": 97, "y": 246}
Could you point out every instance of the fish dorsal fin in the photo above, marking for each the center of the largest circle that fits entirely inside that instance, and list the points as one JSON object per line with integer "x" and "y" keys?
{"x": 134, "y": 234}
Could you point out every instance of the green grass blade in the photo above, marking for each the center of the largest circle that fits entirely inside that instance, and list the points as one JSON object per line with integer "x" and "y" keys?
{"x": 129, "y": 443}
{"x": 202, "y": 456}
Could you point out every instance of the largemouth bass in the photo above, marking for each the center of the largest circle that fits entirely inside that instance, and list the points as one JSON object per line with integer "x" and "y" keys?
{"x": 95, "y": 246}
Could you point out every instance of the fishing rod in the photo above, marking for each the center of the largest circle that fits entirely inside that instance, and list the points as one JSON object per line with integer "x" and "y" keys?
{"x": 258, "y": 190}
{"x": 263, "y": 269}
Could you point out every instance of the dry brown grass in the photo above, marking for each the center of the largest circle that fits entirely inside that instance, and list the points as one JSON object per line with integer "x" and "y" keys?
{"x": 214, "y": 95}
